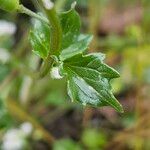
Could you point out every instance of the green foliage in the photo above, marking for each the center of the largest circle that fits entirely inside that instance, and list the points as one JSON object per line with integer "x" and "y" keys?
{"x": 9, "y": 5}
{"x": 88, "y": 76}
{"x": 88, "y": 80}
{"x": 80, "y": 44}
{"x": 5, "y": 118}
{"x": 66, "y": 144}
{"x": 4, "y": 70}
{"x": 93, "y": 139}
{"x": 39, "y": 38}
{"x": 72, "y": 42}
{"x": 70, "y": 23}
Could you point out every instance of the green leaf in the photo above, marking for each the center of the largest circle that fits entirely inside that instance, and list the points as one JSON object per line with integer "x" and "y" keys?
{"x": 40, "y": 38}
{"x": 66, "y": 144}
{"x": 89, "y": 80}
{"x": 79, "y": 46}
{"x": 4, "y": 71}
{"x": 73, "y": 42}
{"x": 6, "y": 120}
{"x": 70, "y": 22}
{"x": 94, "y": 139}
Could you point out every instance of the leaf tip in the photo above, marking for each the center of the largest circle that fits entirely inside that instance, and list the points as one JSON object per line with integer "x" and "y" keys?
{"x": 117, "y": 74}
{"x": 120, "y": 109}
{"x": 117, "y": 106}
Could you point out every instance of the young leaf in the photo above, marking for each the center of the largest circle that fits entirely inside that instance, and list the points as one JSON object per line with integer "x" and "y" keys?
{"x": 89, "y": 80}
{"x": 40, "y": 38}
{"x": 79, "y": 46}
{"x": 70, "y": 22}
{"x": 88, "y": 76}
{"x": 73, "y": 42}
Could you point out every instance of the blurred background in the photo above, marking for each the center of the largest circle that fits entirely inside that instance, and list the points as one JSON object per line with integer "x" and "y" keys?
{"x": 38, "y": 115}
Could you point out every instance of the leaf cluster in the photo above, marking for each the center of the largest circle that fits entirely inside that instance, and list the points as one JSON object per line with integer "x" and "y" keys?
{"x": 88, "y": 77}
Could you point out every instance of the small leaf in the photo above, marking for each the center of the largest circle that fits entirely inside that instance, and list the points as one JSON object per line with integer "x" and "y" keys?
{"x": 73, "y": 42}
{"x": 89, "y": 80}
{"x": 70, "y": 22}
{"x": 40, "y": 38}
{"x": 79, "y": 46}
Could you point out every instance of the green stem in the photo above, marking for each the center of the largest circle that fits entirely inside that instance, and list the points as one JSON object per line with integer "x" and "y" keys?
{"x": 56, "y": 31}
{"x": 25, "y": 10}
{"x": 46, "y": 66}
{"x": 55, "y": 39}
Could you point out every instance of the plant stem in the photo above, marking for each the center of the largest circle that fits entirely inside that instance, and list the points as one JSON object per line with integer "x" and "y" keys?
{"x": 55, "y": 39}
{"x": 56, "y": 35}
{"x": 21, "y": 114}
{"x": 56, "y": 31}
{"x": 48, "y": 62}
{"x": 25, "y": 10}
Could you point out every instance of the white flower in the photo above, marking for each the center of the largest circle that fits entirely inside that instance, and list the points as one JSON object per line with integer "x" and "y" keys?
{"x": 7, "y": 28}
{"x": 55, "y": 73}
{"x": 26, "y": 128}
{"x": 13, "y": 140}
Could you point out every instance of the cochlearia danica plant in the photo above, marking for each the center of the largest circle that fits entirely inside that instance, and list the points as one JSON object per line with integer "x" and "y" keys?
{"x": 55, "y": 37}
